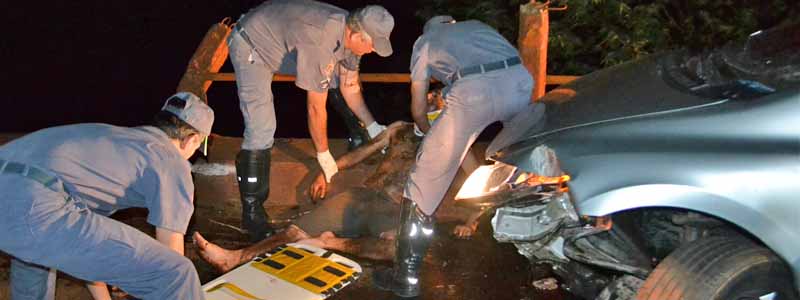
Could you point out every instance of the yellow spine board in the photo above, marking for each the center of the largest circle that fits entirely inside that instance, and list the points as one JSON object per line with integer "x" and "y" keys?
{"x": 316, "y": 274}
{"x": 234, "y": 290}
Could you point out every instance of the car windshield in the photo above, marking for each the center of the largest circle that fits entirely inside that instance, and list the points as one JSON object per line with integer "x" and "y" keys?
{"x": 766, "y": 62}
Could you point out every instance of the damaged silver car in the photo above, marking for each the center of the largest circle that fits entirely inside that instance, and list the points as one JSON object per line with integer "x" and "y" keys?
{"x": 673, "y": 177}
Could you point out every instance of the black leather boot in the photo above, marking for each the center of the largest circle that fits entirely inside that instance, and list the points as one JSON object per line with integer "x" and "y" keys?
{"x": 252, "y": 173}
{"x": 357, "y": 135}
{"x": 413, "y": 237}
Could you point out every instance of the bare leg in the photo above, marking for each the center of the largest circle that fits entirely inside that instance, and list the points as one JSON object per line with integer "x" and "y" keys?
{"x": 224, "y": 260}
{"x": 372, "y": 248}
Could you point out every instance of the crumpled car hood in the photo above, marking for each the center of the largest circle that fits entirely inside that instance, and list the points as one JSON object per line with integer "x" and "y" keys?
{"x": 624, "y": 91}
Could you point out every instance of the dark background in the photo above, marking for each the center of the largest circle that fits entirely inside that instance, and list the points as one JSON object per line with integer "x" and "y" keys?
{"x": 117, "y": 61}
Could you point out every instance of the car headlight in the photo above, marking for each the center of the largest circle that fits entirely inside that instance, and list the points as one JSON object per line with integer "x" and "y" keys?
{"x": 499, "y": 183}
{"x": 486, "y": 180}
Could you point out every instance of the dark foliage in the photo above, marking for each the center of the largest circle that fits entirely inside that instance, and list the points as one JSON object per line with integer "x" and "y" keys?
{"x": 594, "y": 34}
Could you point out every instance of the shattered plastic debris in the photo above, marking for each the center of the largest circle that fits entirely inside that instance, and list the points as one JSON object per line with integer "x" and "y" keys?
{"x": 547, "y": 284}
{"x": 213, "y": 169}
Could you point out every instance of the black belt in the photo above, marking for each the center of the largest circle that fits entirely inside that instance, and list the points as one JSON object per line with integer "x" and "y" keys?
{"x": 483, "y": 68}
{"x": 49, "y": 181}
{"x": 247, "y": 39}
{"x": 243, "y": 34}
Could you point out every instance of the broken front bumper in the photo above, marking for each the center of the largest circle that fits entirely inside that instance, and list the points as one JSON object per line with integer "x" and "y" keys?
{"x": 534, "y": 222}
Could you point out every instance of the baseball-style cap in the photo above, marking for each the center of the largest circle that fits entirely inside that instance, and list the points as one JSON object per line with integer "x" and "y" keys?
{"x": 437, "y": 20}
{"x": 378, "y": 23}
{"x": 190, "y": 109}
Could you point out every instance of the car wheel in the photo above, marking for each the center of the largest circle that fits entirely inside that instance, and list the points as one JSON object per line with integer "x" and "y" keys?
{"x": 719, "y": 268}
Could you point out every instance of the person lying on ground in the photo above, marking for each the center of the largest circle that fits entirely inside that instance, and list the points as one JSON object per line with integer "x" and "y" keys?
{"x": 360, "y": 221}
{"x": 363, "y": 217}
{"x": 389, "y": 177}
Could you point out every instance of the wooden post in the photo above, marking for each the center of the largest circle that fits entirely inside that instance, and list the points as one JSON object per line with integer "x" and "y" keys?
{"x": 534, "y": 27}
{"x": 207, "y": 59}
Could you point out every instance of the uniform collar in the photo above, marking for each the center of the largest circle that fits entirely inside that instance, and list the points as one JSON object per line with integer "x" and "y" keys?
{"x": 161, "y": 136}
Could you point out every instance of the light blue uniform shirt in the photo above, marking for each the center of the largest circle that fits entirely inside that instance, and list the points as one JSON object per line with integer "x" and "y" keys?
{"x": 301, "y": 37}
{"x": 445, "y": 48}
{"x": 110, "y": 168}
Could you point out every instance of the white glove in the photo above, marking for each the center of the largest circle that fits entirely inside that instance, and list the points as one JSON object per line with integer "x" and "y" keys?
{"x": 328, "y": 164}
{"x": 375, "y": 129}
{"x": 418, "y": 132}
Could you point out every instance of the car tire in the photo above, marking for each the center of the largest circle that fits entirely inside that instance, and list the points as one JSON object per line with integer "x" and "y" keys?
{"x": 719, "y": 268}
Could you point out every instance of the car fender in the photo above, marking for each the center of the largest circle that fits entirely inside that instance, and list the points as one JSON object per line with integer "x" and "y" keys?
{"x": 783, "y": 241}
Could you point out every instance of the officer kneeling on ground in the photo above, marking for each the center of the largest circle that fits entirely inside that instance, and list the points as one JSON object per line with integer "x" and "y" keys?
{"x": 60, "y": 184}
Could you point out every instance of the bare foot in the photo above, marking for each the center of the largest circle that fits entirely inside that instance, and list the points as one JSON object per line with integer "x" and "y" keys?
{"x": 465, "y": 231}
{"x": 294, "y": 233}
{"x": 324, "y": 240}
{"x": 222, "y": 259}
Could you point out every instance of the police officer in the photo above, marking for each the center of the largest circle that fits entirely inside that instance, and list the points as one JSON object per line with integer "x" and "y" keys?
{"x": 321, "y": 44}
{"x": 485, "y": 82}
{"x": 59, "y": 185}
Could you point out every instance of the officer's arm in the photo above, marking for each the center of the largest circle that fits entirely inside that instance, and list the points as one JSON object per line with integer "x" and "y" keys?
{"x": 318, "y": 119}
{"x": 419, "y": 104}
{"x": 171, "y": 239}
{"x": 350, "y": 86}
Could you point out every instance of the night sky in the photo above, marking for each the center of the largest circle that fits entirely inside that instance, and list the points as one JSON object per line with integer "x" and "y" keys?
{"x": 117, "y": 61}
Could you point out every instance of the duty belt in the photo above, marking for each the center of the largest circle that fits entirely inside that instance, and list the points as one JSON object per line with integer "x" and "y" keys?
{"x": 30, "y": 172}
{"x": 243, "y": 34}
{"x": 484, "y": 68}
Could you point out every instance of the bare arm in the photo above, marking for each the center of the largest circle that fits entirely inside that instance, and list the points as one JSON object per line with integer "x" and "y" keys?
{"x": 98, "y": 290}
{"x": 319, "y": 187}
{"x": 350, "y": 86}
{"x": 419, "y": 104}
{"x": 171, "y": 239}
{"x": 318, "y": 119}
{"x": 359, "y": 154}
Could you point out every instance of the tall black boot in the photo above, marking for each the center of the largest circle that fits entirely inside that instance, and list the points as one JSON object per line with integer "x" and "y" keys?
{"x": 413, "y": 237}
{"x": 357, "y": 135}
{"x": 252, "y": 173}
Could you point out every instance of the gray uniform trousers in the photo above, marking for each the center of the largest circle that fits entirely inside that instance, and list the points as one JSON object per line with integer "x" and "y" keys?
{"x": 472, "y": 103}
{"x": 45, "y": 227}
{"x": 254, "y": 83}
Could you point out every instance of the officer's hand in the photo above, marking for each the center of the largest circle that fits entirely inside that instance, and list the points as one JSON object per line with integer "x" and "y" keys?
{"x": 328, "y": 164}
{"x": 319, "y": 188}
{"x": 375, "y": 129}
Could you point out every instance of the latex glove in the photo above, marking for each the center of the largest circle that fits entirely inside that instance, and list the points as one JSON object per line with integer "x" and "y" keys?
{"x": 418, "y": 132}
{"x": 375, "y": 129}
{"x": 328, "y": 164}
